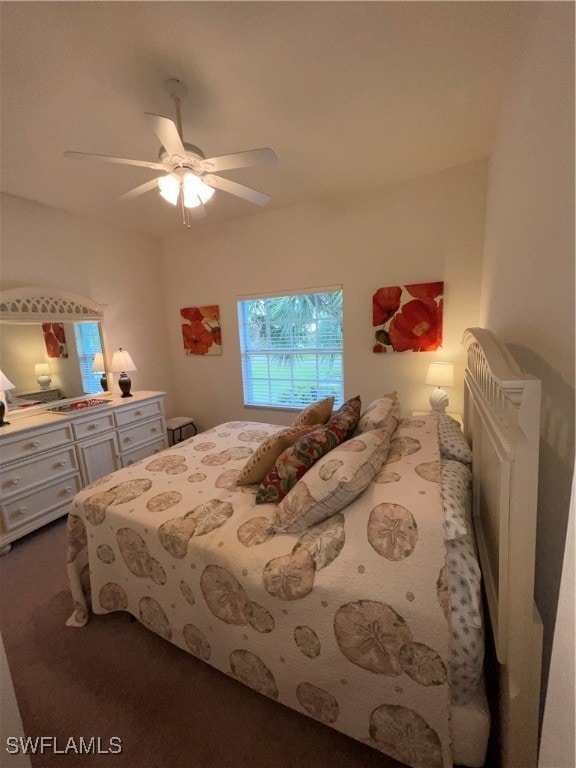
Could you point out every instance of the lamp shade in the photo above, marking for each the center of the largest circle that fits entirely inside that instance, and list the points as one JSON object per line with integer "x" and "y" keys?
{"x": 440, "y": 375}
{"x": 5, "y": 383}
{"x": 42, "y": 369}
{"x": 98, "y": 364}
{"x": 122, "y": 362}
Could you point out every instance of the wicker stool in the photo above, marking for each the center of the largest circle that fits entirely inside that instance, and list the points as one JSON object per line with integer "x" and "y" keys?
{"x": 177, "y": 424}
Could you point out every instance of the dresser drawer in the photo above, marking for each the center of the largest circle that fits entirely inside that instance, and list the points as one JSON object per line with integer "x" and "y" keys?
{"x": 141, "y": 433}
{"x": 142, "y": 452}
{"x": 16, "y": 478}
{"x": 20, "y": 511}
{"x": 135, "y": 413}
{"x": 35, "y": 442}
{"x": 93, "y": 426}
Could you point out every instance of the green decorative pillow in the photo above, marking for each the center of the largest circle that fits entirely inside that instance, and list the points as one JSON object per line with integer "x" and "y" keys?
{"x": 335, "y": 480}
{"x": 375, "y": 415}
{"x": 295, "y": 461}
{"x": 315, "y": 413}
{"x": 264, "y": 457}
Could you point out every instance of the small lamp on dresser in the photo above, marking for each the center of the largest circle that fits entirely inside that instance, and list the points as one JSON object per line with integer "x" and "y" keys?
{"x": 122, "y": 362}
{"x": 5, "y": 385}
{"x": 42, "y": 371}
{"x": 99, "y": 367}
{"x": 440, "y": 375}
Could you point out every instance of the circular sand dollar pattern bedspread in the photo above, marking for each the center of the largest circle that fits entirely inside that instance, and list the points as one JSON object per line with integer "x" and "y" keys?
{"x": 256, "y": 579}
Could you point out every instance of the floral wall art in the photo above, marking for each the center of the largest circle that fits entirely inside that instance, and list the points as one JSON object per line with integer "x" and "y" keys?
{"x": 201, "y": 331}
{"x": 55, "y": 340}
{"x": 408, "y": 318}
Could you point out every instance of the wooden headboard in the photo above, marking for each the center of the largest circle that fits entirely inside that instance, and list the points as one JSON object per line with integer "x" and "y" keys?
{"x": 502, "y": 425}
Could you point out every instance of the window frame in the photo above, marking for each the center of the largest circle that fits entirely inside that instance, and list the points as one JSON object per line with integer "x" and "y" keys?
{"x": 299, "y": 390}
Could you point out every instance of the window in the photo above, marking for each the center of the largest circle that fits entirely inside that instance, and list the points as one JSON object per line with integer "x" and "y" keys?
{"x": 87, "y": 344}
{"x": 291, "y": 348}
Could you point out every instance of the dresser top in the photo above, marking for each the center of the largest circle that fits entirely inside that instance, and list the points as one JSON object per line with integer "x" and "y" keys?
{"x": 22, "y": 421}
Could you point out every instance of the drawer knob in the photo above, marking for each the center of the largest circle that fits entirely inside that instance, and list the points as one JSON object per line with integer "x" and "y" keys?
{"x": 21, "y": 511}
{"x": 34, "y": 444}
{"x": 14, "y": 481}
{"x": 154, "y": 429}
{"x": 128, "y": 439}
{"x": 61, "y": 464}
{"x": 138, "y": 413}
{"x": 93, "y": 426}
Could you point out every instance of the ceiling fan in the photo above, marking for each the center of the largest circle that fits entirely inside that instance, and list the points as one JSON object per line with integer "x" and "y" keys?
{"x": 188, "y": 175}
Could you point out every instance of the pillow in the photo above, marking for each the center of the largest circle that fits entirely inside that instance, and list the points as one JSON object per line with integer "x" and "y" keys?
{"x": 455, "y": 490}
{"x": 264, "y": 457}
{"x": 295, "y": 461}
{"x": 335, "y": 480}
{"x": 453, "y": 444}
{"x": 315, "y": 413}
{"x": 346, "y": 417}
{"x": 374, "y": 416}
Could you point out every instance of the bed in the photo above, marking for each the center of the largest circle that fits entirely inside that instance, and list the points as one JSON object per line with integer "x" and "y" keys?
{"x": 345, "y": 585}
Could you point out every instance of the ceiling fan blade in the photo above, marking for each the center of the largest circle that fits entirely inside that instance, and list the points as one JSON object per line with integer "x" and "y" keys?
{"x": 251, "y": 157}
{"x": 148, "y": 186}
{"x": 168, "y": 134}
{"x": 233, "y": 188}
{"x": 110, "y": 159}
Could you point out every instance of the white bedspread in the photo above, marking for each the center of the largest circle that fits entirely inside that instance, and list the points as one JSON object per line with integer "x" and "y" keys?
{"x": 347, "y": 622}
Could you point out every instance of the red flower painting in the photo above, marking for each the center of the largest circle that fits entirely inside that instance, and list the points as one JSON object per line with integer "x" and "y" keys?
{"x": 202, "y": 334}
{"x": 408, "y": 318}
{"x": 55, "y": 339}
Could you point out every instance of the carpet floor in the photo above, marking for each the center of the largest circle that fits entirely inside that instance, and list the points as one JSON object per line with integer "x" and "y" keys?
{"x": 114, "y": 678}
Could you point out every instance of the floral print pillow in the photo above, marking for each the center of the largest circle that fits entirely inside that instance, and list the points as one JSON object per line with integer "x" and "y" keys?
{"x": 264, "y": 457}
{"x": 295, "y": 461}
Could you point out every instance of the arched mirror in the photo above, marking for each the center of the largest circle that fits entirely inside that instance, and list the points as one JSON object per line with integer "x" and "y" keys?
{"x": 49, "y": 342}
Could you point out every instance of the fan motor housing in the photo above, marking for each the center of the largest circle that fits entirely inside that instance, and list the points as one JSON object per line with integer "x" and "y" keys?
{"x": 194, "y": 155}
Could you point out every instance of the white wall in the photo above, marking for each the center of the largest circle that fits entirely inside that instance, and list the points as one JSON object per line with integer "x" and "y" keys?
{"x": 46, "y": 246}
{"x": 426, "y": 229}
{"x": 528, "y": 274}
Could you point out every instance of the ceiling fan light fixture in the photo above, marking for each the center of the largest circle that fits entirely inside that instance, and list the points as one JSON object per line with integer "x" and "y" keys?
{"x": 169, "y": 188}
{"x": 195, "y": 191}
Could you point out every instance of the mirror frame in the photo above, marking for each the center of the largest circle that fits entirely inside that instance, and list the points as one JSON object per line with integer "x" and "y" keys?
{"x": 39, "y": 304}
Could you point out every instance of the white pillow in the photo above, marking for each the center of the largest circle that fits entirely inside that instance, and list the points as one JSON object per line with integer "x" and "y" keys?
{"x": 374, "y": 417}
{"x": 455, "y": 490}
{"x": 453, "y": 444}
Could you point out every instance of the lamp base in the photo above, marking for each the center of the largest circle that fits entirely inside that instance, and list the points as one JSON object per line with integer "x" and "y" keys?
{"x": 2, "y": 412}
{"x": 439, "y": 400}
{"x": 124, "y": 383}
{"x": 44, "y": 381}
{"x": 104, "y": 383}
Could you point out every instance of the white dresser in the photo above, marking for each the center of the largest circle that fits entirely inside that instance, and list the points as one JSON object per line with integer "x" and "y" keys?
{"x": 45, "y": 457}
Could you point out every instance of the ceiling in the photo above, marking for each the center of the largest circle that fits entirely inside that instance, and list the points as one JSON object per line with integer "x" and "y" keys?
{"x": 350, "y": 95}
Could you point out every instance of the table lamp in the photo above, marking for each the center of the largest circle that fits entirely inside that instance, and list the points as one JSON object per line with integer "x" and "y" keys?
{"x": 440, "y": 375}
{"x": 5, "y": 385}
{"x": 99, "y": 367}
{"x": 122, "y": 362}
{"x": 42, "y": 371}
